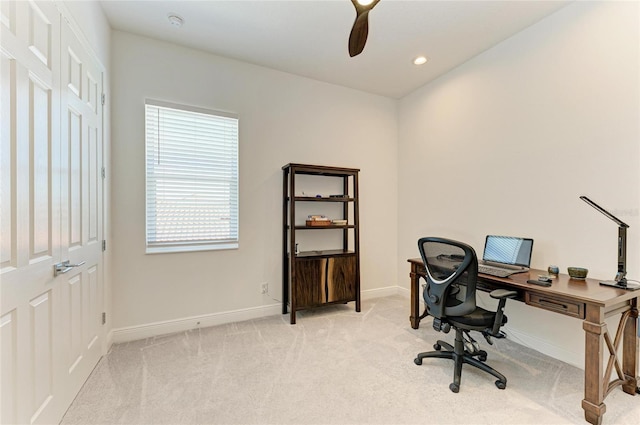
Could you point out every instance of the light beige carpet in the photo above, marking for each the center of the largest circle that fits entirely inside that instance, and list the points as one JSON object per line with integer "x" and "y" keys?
{"x": 335, "y": 366}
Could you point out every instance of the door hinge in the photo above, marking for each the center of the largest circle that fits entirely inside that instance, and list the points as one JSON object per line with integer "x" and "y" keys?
{"x": 104, "y": 317}
{"x": 104, "y": 245}
{"x": 104, "y": 172}
{"x": 103, "y": 99}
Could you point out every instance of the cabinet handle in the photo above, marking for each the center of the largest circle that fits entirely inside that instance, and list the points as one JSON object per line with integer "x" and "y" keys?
{"x": 553, "y": 305}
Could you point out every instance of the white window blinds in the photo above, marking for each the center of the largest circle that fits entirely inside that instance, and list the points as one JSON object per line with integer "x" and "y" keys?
{"x": 192, "y": 178}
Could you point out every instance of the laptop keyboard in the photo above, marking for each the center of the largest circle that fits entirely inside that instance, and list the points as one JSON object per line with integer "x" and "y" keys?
{"x": 493, "y": 271}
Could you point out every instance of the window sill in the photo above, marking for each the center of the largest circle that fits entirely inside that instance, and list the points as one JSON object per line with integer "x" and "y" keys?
{"x": 190, "y": 248}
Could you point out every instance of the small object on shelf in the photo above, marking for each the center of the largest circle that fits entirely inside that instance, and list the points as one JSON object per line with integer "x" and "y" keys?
{"x": 577, "y": 272}
{"x": 339, "y": 222}
{"x": 318, "y": 220}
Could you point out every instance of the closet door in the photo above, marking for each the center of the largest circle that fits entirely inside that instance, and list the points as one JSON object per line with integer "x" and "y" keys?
{"x": 40, "y": 312}
{"x": 30, "y": 212}
{"x": 81, "y": 288}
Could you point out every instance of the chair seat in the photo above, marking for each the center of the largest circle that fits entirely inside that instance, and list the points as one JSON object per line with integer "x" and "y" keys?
{"x": 479, "y": 318}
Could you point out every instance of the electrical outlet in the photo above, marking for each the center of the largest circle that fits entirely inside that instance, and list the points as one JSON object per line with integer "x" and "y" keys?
{"x": 264, "y": 288}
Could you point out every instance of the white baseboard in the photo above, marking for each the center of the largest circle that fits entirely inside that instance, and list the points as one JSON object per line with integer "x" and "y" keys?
{"x": 379, "y": 292}
{"x": 108, "y": 343}
{"x": 148, "y": 330}
{"x": 132, "y": 333}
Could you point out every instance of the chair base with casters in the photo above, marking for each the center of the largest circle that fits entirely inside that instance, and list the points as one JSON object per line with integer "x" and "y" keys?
{"x": 460, "y": 355}
{"x": 467, "y": 350}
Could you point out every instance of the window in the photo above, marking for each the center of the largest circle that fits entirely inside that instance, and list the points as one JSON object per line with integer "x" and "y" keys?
{"x": 192, "y": 178}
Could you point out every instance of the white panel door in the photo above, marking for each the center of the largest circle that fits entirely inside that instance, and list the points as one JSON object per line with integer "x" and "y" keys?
{"x": 30, "y": 213}
{"x": 82, "y": 287}
{"x": 37, "y": 336}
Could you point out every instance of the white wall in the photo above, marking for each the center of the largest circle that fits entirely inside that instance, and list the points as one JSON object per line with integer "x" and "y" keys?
{"x": 507, "y": 142}
{"x": 283, "y": 118}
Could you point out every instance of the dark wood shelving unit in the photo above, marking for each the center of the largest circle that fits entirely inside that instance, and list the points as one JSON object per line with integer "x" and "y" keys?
{"x": 322, "y": 277}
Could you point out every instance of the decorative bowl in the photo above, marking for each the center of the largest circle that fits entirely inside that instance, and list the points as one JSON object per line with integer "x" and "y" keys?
{"x": 577, "y": 272}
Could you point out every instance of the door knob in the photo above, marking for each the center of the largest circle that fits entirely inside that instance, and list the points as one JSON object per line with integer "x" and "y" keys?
{"x": 65, "y": 267}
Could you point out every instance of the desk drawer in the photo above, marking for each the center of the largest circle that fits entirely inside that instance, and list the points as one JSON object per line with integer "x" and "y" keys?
{"x": 556, "y": 304}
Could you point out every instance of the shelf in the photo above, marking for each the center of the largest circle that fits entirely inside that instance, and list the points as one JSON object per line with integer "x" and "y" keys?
{"x": 332, "y": 226}
{"x": 323, "y": 199}
{"x": 319, "y": 170}
{"x": 324, "y": 253}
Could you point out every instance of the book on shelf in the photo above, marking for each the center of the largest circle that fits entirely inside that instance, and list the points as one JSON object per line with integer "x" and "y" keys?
{"x": 318, "y": 218}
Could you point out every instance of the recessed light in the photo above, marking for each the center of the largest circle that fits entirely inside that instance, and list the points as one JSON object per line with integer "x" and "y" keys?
{"x": 420, "y": 60}
{"x": 175, "y": 20}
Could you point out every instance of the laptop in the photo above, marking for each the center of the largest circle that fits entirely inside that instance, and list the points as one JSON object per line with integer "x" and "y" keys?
{"x": 505, "y": 255}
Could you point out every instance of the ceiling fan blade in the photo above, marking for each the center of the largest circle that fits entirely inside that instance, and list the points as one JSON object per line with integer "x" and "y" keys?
{"x": 360, "y": 30}
{"x": 359, "y": 33}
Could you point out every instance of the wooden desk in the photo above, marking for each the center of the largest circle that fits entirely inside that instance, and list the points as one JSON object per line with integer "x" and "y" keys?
{"x": 585, "y": 300}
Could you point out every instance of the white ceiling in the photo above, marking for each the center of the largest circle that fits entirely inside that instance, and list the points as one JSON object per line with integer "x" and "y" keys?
{"x": 309, "y": 37}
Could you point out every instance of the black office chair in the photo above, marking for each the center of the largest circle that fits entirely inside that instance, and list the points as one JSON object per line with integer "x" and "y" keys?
{"x": 450, "y": 297}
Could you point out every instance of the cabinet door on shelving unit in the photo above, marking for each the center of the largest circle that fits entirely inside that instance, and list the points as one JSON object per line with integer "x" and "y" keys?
{"x": 309, "y": 282}
{"x": 341, "y": 281}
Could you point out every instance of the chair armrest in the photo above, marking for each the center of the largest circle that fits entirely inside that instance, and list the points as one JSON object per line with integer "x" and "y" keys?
{"x": 502, "y": 295}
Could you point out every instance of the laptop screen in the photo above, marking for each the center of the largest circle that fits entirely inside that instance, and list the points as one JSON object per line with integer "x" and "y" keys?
{"x": 508, "y": 250}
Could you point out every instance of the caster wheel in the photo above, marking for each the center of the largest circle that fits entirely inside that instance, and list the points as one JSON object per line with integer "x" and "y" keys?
{"x": 417, "y": 361}
{"x": 482, "y": 357}
{"x": 454, "y": 388}
{"x": 437, "y": 347}
{"x": 501, "y": 385}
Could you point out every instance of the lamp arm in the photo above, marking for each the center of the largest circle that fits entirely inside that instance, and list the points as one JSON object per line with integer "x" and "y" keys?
{"x": 605, "y": 212}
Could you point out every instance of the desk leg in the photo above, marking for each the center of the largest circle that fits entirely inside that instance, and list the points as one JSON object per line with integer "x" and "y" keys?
{"x": 594, "y": 328}
{"x": 415, "y": 298}
{"x": 630, "y": 348}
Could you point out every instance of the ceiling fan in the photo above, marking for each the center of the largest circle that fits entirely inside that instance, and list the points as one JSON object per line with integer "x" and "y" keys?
{"x": 360, "y": 30}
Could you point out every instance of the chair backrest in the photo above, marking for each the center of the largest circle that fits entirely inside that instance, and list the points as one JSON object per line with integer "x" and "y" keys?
{"x": 448, "y": 262}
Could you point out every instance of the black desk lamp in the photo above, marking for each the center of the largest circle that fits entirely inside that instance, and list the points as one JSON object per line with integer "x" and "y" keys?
{"x": 620, "y": 281}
